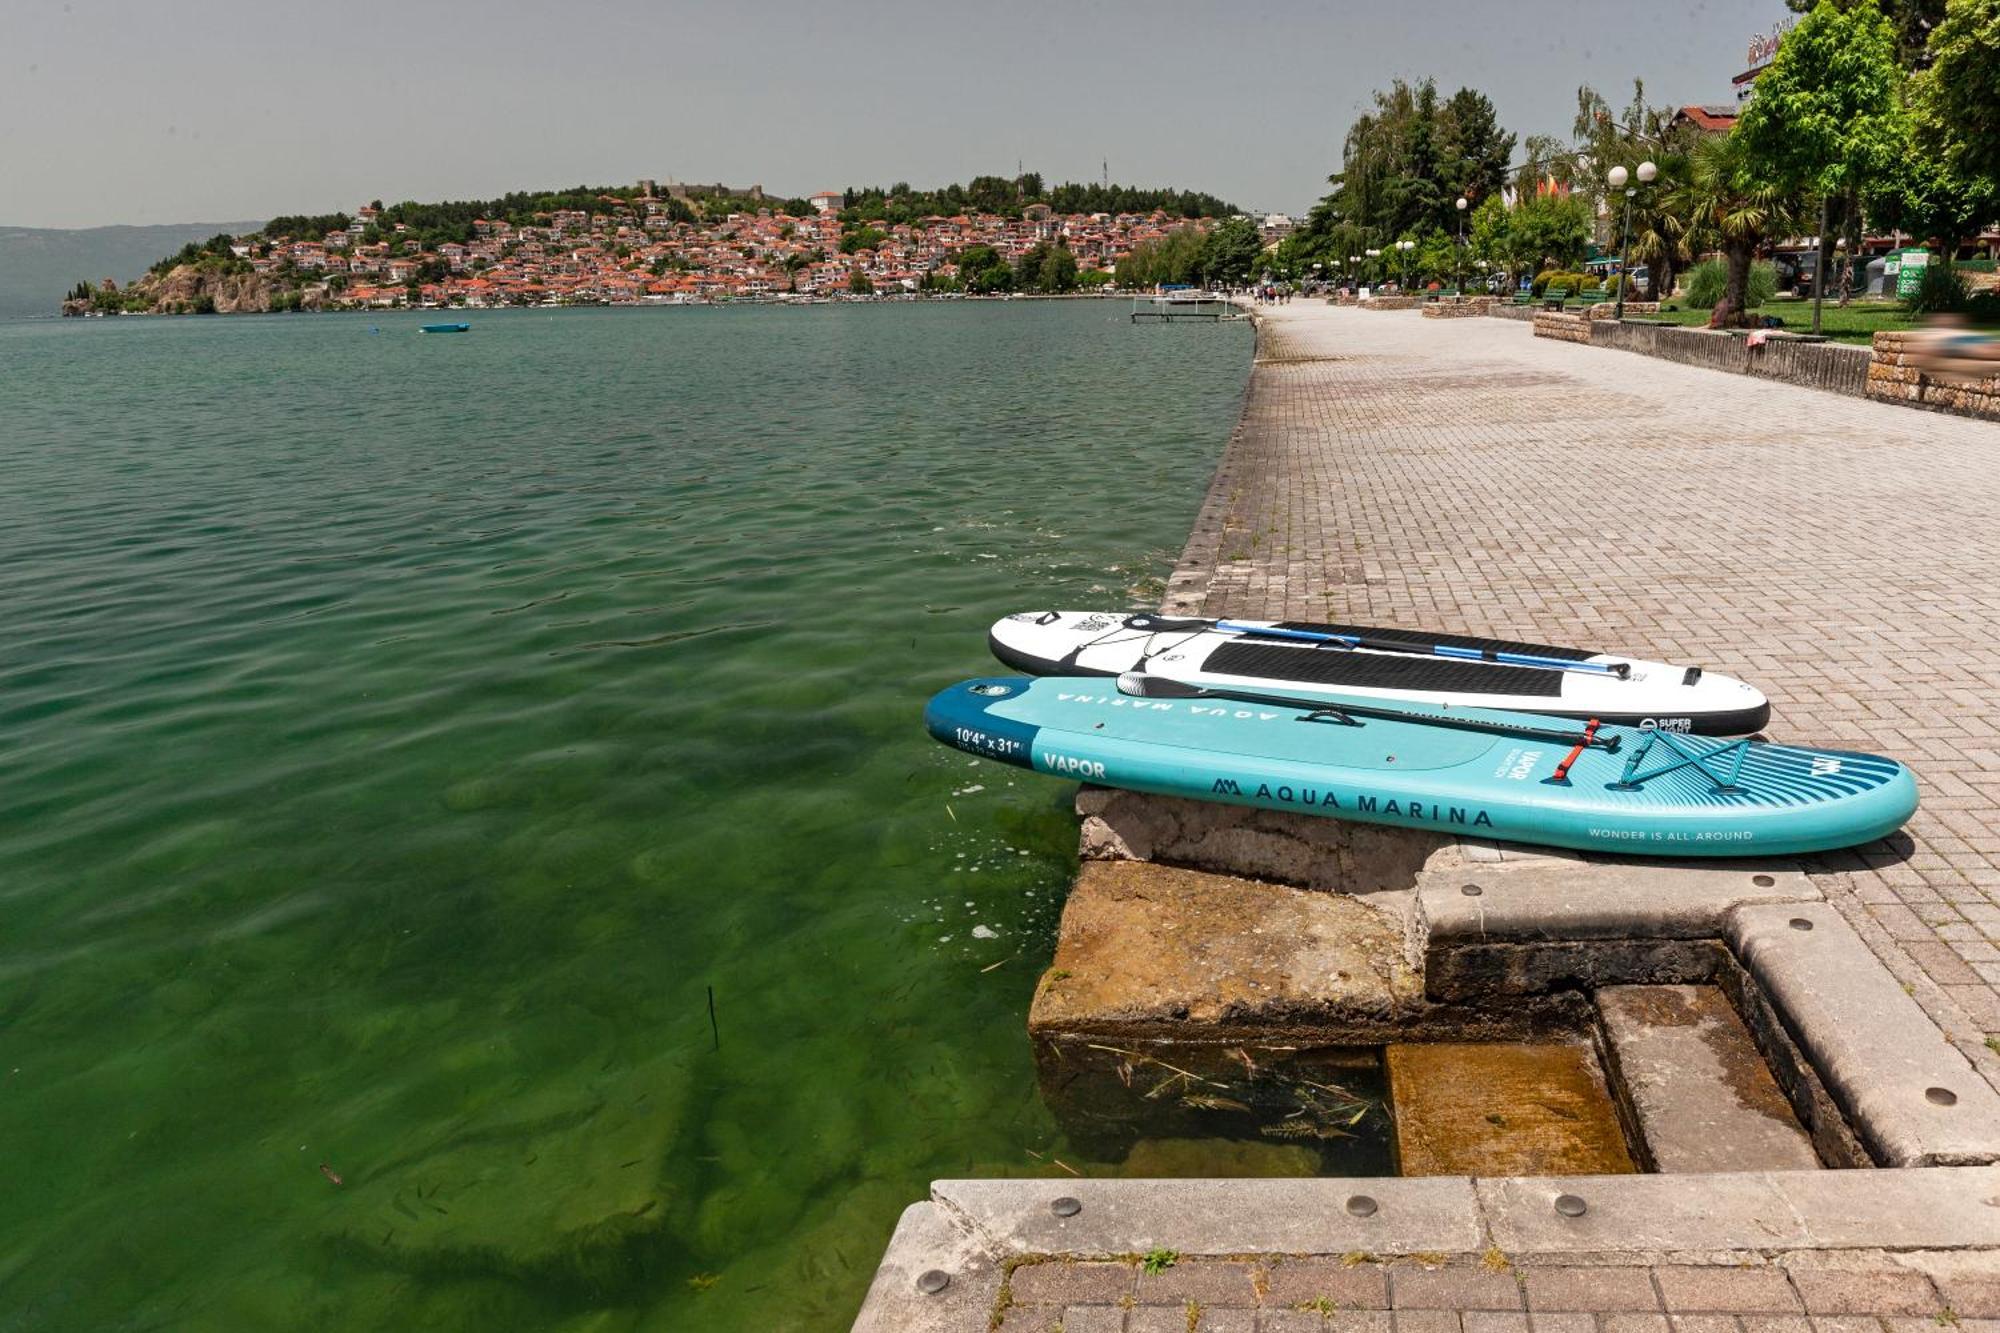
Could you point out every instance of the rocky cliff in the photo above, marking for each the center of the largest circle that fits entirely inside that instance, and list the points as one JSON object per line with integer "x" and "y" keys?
{"x": 192, "y": 288}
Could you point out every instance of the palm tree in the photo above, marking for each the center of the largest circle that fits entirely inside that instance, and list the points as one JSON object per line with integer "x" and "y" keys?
{"x": 1659, "y": 233}
{"x": 1723, "y": 204}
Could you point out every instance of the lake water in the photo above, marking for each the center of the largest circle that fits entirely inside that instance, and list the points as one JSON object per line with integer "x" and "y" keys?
{"x": 400, "y": 734}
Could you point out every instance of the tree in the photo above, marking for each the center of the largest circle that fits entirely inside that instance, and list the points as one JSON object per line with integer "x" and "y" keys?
{"x": 1404, "y": 163}
{"x": 1826, "y": 118}
{"x": 1913, "y": 21}
{"x": 1474, "y": 149}
{"x": 1921, "y": 194}
{"x": 1727, "y": 204}
{"x": 1549, "y": 226}
{"x": 1956, "y": 101}
{"x": 1230, "y": 253}
{"x": 1174, "y": 258}
{"x": 858, "y": 282}
{"x": 1059, "y": 272}
{"x": 982, "y": 269}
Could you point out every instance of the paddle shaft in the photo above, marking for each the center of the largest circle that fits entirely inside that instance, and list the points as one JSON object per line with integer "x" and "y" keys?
{"x": 1585, "y": 739}
{"x": 1452, "y": 651}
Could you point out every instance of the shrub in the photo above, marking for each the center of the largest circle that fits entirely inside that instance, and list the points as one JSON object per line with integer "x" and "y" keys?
{"x": 1555, "y": 277}
{"x": 1941, "y": 288}
{"x": 1702, "y": 285}
{"x": 1983, "y": 308}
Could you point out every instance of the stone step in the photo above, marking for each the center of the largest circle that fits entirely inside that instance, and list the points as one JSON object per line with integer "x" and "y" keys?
{"x": 1701, "y": 1092}
{"x": 1504, "y": 1109}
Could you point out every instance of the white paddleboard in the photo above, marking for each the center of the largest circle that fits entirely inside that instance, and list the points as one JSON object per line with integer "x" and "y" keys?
{"x": 1297, "y": 657}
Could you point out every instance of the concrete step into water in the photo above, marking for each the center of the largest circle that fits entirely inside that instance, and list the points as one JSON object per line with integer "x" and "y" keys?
{"x": 1700, "y": 1091}
{"x": 1504, "y": 1109}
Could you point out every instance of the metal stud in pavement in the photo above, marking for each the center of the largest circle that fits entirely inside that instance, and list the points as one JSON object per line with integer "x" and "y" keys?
{"x": 1569, "y": 1205}
{"x": 1360, "y": 1205}
{"x": 1066, "y": 1206}
{"x": 932, "y": 1281}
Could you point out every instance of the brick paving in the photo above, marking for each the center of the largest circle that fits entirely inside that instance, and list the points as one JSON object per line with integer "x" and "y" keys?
{"x": 1842, "y": 554}
{"x": 1483, "y": 1294}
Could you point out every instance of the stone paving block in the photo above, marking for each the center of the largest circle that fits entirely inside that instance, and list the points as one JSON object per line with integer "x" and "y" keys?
{"x": 1563, "y": 1322}
{"x": 1628, "y": 1322}
{"x": 1775, "y": 1323}
{"x": 1427, "y": 1321}
{"x": 1293, "y": 1321}
{"x": 1846, "y": 1323}
{"x": 1714, "y": 1289}
{"x": 1315, "y": 1278}
{"x": 1971, "y": 1296}
{"x": 1493, "y": 1321}
{"x": 1425, "y": 472}
{"x": 1703, "y": 1323}
{"x": 1032, "y": 1319}
{"x": 1360, "y": 1321}
{"x": 1206, "y": 1319}
{"x": 1093, "y": 1319}
{"x": 1414, "y": 1288}
{"x": 1060, "y": 1283}
{"x": 1894, "y": 1291}
{"x": 1597, "y": 1290}
{"x": 1209, "y": 1281}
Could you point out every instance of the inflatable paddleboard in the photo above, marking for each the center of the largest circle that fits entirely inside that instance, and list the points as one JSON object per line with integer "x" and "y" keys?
{"x": 1297, "y": 657}
{"x": 1470, "y": 772}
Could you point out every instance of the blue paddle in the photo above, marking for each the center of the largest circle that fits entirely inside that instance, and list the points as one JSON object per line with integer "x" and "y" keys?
{"x": 1622, "y": 670}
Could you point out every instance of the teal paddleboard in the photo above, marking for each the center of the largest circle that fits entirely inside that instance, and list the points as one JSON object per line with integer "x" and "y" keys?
{"x": 1516, "y": 777}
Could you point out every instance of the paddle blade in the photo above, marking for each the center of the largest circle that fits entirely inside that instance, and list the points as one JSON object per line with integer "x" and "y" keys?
{"x": 1157, "y": 687}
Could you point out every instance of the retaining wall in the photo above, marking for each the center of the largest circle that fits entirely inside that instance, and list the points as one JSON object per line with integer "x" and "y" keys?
{"x": 1836, "y": 367}
{"x": 1456, "y": 307}
{"x": 1392, "y": 303}
{"x": 1893, "y": 376}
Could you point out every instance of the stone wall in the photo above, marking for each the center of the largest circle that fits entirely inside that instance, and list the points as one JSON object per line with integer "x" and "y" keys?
{"x": 1392, "y": 303}
{"x": 1457, "y": 307}
{"x": 1633, "y": 310}
{"x": 1894, "y": 377}
{"x": 1836, "y": 367}
{"x": 1508, "y": 310}
{"x": 1560, "y": 325}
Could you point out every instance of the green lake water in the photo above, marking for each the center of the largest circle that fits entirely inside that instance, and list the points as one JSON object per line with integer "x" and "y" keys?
{"x": 399, "y": 734}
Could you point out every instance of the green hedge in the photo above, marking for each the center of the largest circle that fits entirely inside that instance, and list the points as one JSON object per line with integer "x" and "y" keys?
{"x": 1569, "y": 282}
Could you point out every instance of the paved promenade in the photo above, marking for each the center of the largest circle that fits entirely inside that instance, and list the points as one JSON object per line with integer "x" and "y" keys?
{"x": 1842, "y": 554}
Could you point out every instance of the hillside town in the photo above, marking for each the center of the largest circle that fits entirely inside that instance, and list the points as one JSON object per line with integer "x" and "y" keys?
{"x": 653, "y": 247}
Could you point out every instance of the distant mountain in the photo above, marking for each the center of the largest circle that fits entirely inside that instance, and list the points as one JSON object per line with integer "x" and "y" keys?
{"x": 39, "y": 265}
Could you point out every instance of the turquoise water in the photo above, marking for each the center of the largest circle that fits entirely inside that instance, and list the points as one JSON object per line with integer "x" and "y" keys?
{"x": 399, "y": 735}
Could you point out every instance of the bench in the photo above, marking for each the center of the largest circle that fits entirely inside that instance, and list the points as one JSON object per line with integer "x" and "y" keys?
{"x": 1592, "y": 295}
{"x": 1554, "y": 298}
{"x": 1523, "y": 298}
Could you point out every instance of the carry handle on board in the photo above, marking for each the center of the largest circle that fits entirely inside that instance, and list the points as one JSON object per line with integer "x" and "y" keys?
{"x": 1160, "y": 624}
{"x": 1140, "y": 685}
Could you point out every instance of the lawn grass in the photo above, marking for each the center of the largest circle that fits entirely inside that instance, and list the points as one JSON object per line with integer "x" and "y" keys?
{"x": 1859, "y": 322}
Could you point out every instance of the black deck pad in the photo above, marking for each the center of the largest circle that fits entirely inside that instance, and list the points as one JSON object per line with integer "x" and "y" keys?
{"x": 1388, "y": 671}
{"x": 1419, "y": 639}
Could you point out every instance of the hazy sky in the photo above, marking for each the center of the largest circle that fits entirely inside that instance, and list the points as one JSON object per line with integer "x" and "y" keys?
{"x": 178, "y": 110}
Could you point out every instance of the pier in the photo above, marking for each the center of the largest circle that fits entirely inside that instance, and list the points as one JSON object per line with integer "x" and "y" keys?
{"x": 1758, "y": 1026}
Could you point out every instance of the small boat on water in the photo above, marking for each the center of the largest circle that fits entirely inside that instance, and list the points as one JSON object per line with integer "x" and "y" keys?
{"x": 447, "y": 328}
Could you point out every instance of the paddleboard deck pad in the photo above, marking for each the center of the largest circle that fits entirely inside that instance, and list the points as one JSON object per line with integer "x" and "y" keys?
{"x": 1474, "y": 773}
{"x": 1298, "y": 657}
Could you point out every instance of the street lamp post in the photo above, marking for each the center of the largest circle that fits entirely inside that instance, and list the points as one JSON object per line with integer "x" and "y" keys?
{"x": 1458, "y": 255}
{"x": 1618, "y": 176}
{"x": 1403, "y": 267}
{"x": 1373, "y": 255}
